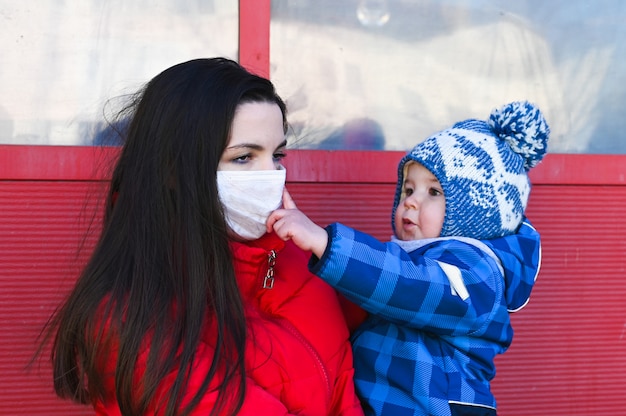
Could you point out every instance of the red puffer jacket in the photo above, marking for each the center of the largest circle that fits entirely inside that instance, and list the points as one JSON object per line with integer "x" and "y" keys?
{"x": 298, "y": 355}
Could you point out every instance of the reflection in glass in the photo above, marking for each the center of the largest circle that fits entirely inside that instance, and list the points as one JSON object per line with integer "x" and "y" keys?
{"x": 437, "y": 62}
{"x": 63, "y": 60}
{"x": 373, "y": 12}
{"x": 356, "y": 134}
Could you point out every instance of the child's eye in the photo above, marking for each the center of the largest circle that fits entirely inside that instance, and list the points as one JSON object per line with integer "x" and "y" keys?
{"x": 408, "y": 191}
{"x": 435, "y": 192}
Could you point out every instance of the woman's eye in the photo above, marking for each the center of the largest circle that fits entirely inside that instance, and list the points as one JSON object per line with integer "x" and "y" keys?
{"x": 278, "y": 156}
{"x": 242, "y": 158}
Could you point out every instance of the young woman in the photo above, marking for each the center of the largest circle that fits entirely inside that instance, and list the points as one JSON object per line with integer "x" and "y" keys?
{"x": 187, "y": 306}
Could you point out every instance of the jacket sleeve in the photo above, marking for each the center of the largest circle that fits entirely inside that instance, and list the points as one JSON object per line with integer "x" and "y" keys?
{"x": 344, "y": 401}
{"x": 448, "y": 288}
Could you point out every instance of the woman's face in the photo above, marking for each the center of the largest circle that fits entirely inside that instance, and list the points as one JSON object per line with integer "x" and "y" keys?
{"x": 257, "y": 140}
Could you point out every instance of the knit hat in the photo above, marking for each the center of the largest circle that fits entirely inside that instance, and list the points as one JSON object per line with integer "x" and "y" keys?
{"x": 483, "y": 167}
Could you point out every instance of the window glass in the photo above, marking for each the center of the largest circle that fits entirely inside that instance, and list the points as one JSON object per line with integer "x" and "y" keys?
{"x": 388, "y": 73}
{"x": 63, "y": 59}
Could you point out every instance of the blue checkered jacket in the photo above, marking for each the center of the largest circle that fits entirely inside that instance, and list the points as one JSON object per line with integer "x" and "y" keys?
{"x": 439, "y": 313}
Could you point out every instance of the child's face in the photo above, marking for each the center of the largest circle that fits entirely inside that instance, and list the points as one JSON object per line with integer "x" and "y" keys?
{"x": 422, "y": 207}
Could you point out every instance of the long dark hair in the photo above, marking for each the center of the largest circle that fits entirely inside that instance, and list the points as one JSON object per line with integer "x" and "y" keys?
{"x": 162, "y": 270}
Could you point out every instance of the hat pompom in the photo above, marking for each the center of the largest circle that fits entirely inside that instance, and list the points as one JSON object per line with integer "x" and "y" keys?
{"x": 524, "y": 128}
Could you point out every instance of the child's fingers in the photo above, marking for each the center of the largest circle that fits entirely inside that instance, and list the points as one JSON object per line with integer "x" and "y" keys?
{"x": 288, "y": 201}
{"x": 271, "y": 220}
{"x": 276, "y": 223}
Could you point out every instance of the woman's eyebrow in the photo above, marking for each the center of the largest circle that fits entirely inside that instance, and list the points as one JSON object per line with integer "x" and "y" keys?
{"x": 253, "y": 146}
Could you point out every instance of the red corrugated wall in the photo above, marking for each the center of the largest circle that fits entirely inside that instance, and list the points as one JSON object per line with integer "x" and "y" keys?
{"x": 569, "y": 352}
{"x": 39, "y": 237}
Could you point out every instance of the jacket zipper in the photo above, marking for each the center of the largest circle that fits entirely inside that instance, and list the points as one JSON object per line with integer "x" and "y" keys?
{"x": 268, "y": 283}
{"x": 320, "y": 364}
{"x": 268, "y": 280}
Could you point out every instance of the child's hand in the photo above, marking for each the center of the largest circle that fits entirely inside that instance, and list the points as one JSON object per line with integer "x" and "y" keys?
{"x": 289, "y": 223}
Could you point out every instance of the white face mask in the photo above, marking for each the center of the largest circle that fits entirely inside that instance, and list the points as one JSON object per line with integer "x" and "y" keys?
{"x": 249, "y": 197}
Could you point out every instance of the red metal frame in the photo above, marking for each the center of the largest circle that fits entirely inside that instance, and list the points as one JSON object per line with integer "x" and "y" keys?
{"x": 254, "y": 36}
{"x": 91, "y": 163}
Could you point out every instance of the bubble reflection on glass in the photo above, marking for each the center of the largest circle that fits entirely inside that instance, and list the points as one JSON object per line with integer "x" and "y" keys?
{"x": 373, "y": 13}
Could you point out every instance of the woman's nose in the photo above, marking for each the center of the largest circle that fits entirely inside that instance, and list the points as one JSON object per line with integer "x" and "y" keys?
{"x": 268, "y": 163}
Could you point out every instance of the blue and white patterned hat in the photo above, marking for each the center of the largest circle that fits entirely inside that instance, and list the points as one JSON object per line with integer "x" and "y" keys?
{"x": 483, "y": 169}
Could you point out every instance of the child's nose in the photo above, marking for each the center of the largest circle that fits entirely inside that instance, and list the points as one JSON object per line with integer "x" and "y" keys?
{"x": 413, "y": 200}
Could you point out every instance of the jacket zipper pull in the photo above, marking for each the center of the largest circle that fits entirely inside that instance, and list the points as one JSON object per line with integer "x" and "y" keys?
{"x": 268, "y": 281}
